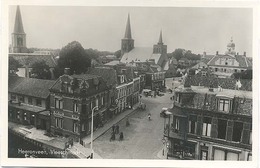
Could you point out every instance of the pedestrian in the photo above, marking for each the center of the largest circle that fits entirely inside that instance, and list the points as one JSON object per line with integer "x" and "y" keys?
{"x": 127, "y": 122}
{"x": 117, "y": 129}
{"x": 121, "y": 137}
{"x": 113, "y": 128}
{"x": 149, "y": 116}
{"x": 113, "y": 137}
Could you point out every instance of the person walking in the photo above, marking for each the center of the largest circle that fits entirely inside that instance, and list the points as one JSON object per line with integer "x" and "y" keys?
{"x": 149, "y": 116}
{"x": 113, "y": 128}
{"x": 117, "y": 129}
{"x": 121, "y": 136}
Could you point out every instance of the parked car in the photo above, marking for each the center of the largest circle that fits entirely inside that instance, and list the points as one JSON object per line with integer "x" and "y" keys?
{"x": 162, "y": 113}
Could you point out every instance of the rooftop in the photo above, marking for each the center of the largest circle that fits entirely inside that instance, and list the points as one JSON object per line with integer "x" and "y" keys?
{"x": 29, "y": 86}
{"x": 221, "y": 93}
{"x": 140, "y": 54}
{"x": 28, "y": 59}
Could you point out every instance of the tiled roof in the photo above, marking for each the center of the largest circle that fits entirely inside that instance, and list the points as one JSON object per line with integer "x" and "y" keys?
{"x": 30, "y": 86}
{"x": 225, "y": 83}
{"x": 107, "y": 73}
{"x": 30, "y": 59}
{"x": 92, "y": 80}
{"x": 140, "y": 54}
{"x": 241, "y": 59}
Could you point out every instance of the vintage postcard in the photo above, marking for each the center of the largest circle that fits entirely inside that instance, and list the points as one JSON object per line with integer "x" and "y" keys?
{"x": 129, "y": 84}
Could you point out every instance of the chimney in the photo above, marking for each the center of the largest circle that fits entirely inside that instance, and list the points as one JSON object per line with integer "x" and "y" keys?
{"x": 216, "y": 52}
{"x": 245, "y": 54}
{"x": 67, "y": 71}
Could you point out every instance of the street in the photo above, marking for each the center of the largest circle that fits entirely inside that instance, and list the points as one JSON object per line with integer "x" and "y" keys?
{"x": 142, "y": 138}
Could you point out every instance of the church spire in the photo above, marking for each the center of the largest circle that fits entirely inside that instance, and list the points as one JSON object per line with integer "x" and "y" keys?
{"x": 128, "y": 29}
{"x": 18, "y": 26}
{"x": 160, "y": 38}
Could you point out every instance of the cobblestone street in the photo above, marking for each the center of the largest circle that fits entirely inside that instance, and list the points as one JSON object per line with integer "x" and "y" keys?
{"x": 142, "y": 139}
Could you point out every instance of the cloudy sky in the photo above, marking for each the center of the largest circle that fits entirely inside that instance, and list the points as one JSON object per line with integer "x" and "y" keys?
{"x": 102, "y": 28}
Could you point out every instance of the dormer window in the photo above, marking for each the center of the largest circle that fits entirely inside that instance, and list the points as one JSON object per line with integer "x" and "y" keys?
{"x": 122, "y": 79}
{"x": 224, "y": 105}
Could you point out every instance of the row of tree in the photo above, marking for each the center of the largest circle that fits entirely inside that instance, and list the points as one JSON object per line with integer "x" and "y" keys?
{"x": 182, "y": 53}
{"x": 72, "y": 56}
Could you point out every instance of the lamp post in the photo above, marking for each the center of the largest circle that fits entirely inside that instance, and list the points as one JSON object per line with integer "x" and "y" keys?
{"x": 91, "y": 145}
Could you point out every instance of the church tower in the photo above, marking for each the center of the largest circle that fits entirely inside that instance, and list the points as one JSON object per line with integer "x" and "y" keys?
{"x": 160, "y": 48}
{"x": 231, "y": 47}
{"x": 127, "y": 43}
{"x": 18, "y": 35}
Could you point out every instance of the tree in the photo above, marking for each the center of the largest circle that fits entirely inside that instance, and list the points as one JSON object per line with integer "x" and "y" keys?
{"x": 40, "y": 70}
{"x": 178, "y": 53}
{"x": 73, "y": 56}
{"x": 118, "y": 53}
{"x": 13, "y": 66}
{"x": 248, "y": 74}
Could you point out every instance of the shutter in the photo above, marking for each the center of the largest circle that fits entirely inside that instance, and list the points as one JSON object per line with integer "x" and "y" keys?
{"x": 199, "y": 126}
{"x": 230, "y": 124}
{"x": 214, "y": 128}
{"x": 246, "y": 133}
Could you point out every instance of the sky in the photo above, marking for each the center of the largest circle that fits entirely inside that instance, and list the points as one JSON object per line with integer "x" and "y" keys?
{"x": 102, "y": 28}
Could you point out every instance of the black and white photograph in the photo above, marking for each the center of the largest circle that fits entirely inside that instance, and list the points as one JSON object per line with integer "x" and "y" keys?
{"x": 140, "y": 83}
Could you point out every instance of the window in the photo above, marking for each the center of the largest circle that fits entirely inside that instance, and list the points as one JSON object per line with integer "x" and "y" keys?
{"x": 206, "y": 131}
{"x": 177, "y": 123}
{"x": 216, "y": 69}
{"x": 24, "y": 116}
{"x": 59, "y": 122}
{"x": 75, "y": 127}
{"x": 222, "y": 126}
{"x": 75, "y": 107}
{"x": 122, "y": 79}
{"x": 83, "y": 127}
{"x": 102, "y": 100}
{"x": 58, "y": 104}
{"x": 30, "y": 101}
{"x": 13, "y": 97}
{"x": 97, "y": 102}
{"x": 237, "y": 131}
{"x": 250, "y": 137}
{"x": 177, "y": 98}
{"x": 192, "y": 124}
{"x": 18, "y": 115}
{"x": 21, "y": 99}
{"x": 221, "y": 154}
{"x": 38, "y": 102}
{"x": 223, "y": 105}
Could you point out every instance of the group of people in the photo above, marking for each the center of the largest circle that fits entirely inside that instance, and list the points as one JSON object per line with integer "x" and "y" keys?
{"x": 115, "y": 130}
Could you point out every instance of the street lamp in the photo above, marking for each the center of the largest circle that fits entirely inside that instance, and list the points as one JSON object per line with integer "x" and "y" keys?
{"x": 91, "y": 146}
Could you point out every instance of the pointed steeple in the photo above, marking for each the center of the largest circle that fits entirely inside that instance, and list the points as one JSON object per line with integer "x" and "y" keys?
{"x": 128, "y": 29}
{"x": 18, "y": 26}
{"x": 160, "y": 38}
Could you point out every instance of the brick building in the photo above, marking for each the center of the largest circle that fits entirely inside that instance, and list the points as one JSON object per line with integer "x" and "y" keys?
{"x": 29, "y": 101}
{"x": 210, "y": 122}
{"x": 72, "y": 99}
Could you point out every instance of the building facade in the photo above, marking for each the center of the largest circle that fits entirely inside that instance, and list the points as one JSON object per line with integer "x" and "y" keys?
{"x": 29, "y": 101}
{"x": 210, "y": 123}
{"x": 224, "y": 65}
{"x": 72, "y": 100}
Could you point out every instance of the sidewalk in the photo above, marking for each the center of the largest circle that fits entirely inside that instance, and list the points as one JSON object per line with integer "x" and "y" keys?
{"x": 38, "y": 135}
{"x": 100, "y": 131}
{"x": 81, "y": 152}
